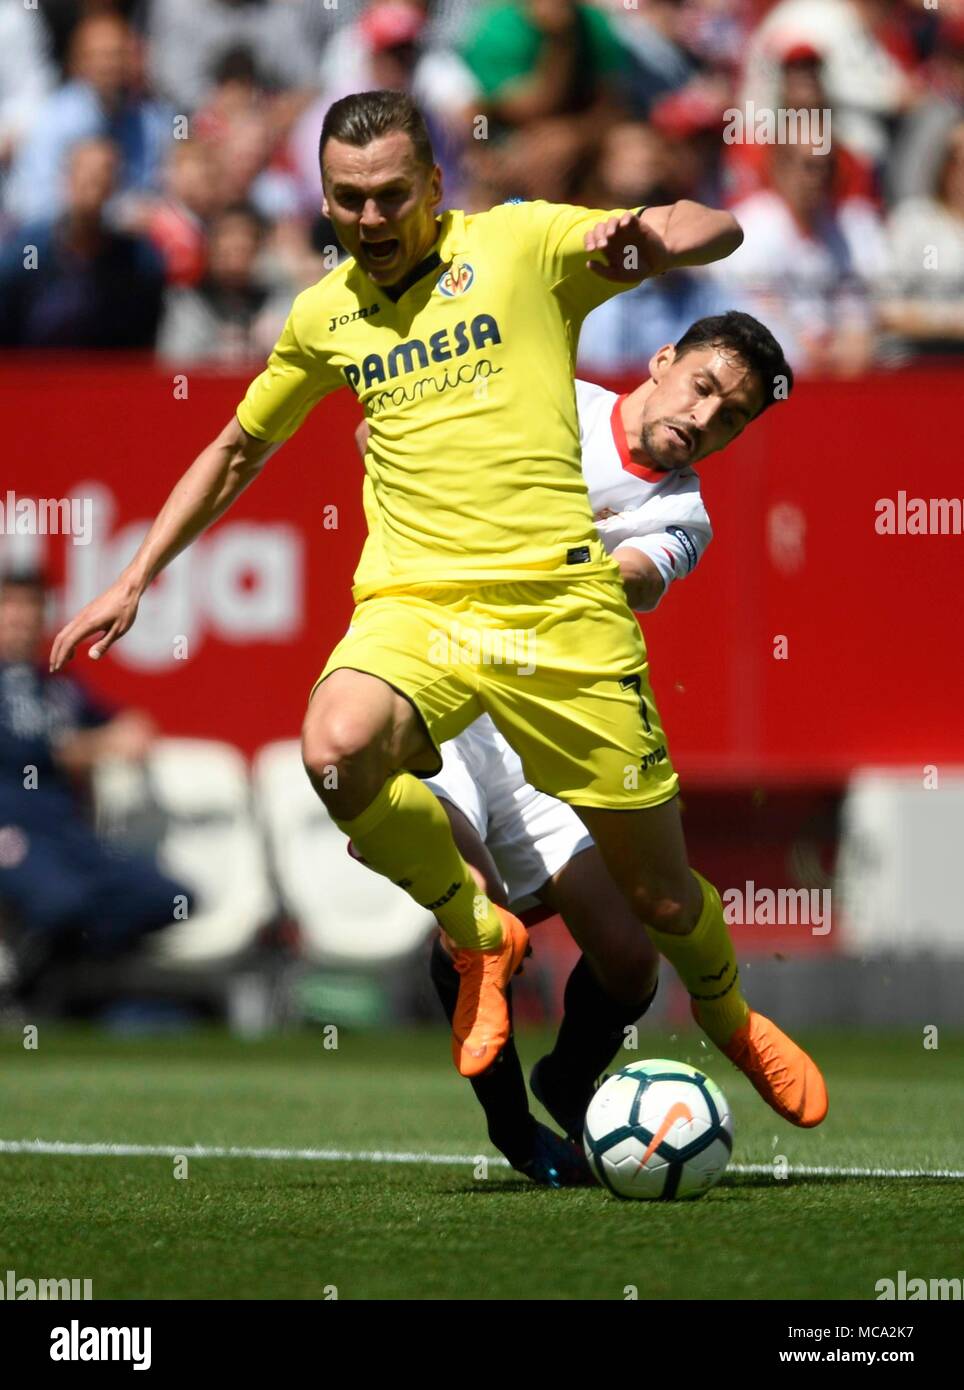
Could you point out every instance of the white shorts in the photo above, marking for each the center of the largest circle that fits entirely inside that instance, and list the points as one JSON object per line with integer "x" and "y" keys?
{"x": 530, "y": 835}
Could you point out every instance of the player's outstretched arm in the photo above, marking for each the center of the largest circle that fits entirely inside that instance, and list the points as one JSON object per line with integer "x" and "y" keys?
{"x": 636, "y": 246}
{"x": 218, "y": 475}
{"x": 694, "y": 234}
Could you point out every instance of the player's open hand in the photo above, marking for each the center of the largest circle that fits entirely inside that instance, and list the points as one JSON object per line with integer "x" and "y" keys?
{"x": 632, "y": 250}
{"x": 106, "y": 617}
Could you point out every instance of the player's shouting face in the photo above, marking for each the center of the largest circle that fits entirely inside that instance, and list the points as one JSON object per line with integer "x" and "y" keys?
{"x": 381, "y": 201}
{"x": 701, "y": 400}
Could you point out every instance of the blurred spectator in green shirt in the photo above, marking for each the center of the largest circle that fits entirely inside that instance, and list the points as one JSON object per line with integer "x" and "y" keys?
{"x": 550, "y": 74}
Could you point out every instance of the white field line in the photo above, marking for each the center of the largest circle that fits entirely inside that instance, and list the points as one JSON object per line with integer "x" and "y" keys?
{"x": 67, "y": 1149}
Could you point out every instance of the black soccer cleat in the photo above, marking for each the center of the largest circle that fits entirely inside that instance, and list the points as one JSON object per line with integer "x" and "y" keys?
{"x": 566, "y": 1103}
{"x": 556, "y": 1162}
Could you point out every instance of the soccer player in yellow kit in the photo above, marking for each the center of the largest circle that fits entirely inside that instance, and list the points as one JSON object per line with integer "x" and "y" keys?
{"x": 483, "y": 585}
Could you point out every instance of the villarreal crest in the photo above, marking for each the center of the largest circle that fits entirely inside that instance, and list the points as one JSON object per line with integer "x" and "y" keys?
{"x": 456, "y": 280}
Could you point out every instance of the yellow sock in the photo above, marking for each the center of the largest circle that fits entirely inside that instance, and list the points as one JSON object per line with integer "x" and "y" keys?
{"x": 405, "y": 835}
{"x": 706, "y": 963}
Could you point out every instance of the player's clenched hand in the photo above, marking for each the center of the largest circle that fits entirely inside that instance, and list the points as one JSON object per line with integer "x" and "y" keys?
{"x": 106, "y": 617}
{"x": 632, "y": 250}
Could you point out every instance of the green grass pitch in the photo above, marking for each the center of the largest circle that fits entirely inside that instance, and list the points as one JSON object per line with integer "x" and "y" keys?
{"x": 295, "y": 1228}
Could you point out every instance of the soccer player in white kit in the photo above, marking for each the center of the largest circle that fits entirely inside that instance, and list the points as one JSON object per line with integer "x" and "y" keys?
{"x": 660, "y": 517}
{"x": 525, "y": 847}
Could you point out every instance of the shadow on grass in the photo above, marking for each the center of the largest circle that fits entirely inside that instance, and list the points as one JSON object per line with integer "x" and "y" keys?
{"x": 730, "y": 1187}
{"x": 737, "y": 1180}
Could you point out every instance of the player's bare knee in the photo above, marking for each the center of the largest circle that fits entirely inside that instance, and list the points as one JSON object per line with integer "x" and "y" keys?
{"x": 663, "y": 909}
{"x": 344, "y": 762}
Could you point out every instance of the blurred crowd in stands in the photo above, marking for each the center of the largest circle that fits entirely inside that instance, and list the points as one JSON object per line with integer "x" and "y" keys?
{"x": 159, "y": 181}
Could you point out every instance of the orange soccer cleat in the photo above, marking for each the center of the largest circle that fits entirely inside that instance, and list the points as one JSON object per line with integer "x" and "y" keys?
{"x": 788, "y": 1080}
{"x": 481, "y": 1025}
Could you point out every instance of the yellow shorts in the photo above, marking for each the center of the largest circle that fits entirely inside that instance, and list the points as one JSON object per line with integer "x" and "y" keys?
{"x": 561, "y": 669}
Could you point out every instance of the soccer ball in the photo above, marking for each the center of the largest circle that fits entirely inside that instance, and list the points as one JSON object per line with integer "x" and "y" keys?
{"x": 658, "y": 1130}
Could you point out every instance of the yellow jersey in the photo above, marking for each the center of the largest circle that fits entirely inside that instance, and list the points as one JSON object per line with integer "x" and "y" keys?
{"x": 465, "y": 372}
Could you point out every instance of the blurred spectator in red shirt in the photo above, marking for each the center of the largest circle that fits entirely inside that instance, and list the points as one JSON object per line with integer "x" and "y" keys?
{"x": 808, "y": 263}
{"x": 691, "y": 123}
{"x": 234, "y": 89}
{"x": 867, "y": 85}
{"x": 801, "y": 88}
{"x": 176, "y": 222}
{"x": 247, "y": 127}
{"x": 231, "y": 317}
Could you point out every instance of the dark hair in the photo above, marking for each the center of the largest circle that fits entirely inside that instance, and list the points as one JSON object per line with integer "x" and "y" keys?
{"x": 245, "y": 210}
{"x": 752, "y": 342}
{"x": 364, "y": 116}
{"x": 235, "y": 64}
{"x": 23, "y": 579}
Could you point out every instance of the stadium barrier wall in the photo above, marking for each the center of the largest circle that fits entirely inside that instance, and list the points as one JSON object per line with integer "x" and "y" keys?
{"x": 806, "y": 644}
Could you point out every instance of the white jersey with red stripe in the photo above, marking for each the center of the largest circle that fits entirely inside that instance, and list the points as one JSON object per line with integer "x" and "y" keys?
{"x": 658, "y": 512}
{"x": 529, "y": 834}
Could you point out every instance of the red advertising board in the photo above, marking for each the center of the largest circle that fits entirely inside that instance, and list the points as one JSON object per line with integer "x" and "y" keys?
{"x": 806, "y": 643}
